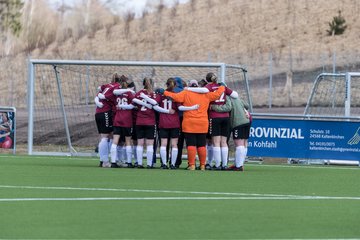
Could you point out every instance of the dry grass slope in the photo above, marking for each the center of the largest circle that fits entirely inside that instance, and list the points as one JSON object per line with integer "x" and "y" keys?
{"x": 233, "y": 31}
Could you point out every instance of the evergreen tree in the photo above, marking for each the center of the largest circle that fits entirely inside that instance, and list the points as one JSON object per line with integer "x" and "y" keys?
{"x": 337, "y": 25}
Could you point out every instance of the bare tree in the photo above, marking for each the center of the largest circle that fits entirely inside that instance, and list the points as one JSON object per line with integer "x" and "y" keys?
{"x": 10, "y": 24}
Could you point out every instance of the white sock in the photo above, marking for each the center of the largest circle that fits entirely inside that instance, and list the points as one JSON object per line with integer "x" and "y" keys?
{"x": 104, "y": 150}
{"x": 119, "y": 153}
{"x": 139, "y": 154}
{"x": 245, "y": 154}
{"x": 224, "y": 156}
{"x": 237, "y": 156}
{"x": 123, "y": 154}
{"x": 163, "y": 155}
{"x": 134, "y": 152}
{"x": 113, "y": 153}
{"x": 174, "y": 153}
{"x": 110, "y": 141}
{"x": 210, "y": 154}
{"x": 243, "y": 151}
{"x": 217, "y": 156}
{"x": 149, "y": 155}
{"x": 128, "y": 150}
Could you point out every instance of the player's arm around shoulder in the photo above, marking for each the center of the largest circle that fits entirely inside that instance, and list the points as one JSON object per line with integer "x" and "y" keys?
{"x": 216, "y": 94}
{"x": 227, "y": 107}
{"x": 176, "y": 97}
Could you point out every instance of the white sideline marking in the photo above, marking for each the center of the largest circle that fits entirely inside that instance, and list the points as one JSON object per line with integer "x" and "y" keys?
{"x": 236, "y": 196}
{"x": 250, "y": 164}
{"x": 141, "y": 190}
{"x": 176, "y": 198}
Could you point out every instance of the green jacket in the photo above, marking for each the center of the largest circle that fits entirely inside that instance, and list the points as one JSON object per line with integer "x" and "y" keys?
{"x": 236, "y": 106}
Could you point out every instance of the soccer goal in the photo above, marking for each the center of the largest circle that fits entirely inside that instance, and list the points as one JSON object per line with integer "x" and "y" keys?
{"x": 335, "y": 95}
{"x": 61, "y": 95}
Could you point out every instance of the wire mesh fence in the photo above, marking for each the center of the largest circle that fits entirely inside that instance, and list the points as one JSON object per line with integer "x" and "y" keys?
{"x": 274, "y": 80}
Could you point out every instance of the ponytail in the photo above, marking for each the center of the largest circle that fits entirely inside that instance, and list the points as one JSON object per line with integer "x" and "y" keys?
{"x": 124, "y": 84}
{"x": 115, "y": 77}
{"x": 148, "y": 84}
{"x": 170, "y": 84}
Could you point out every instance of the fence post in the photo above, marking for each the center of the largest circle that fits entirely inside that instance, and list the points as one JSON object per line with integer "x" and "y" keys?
{"x": 334, "y": 61}
{"x": 270, "y": 79}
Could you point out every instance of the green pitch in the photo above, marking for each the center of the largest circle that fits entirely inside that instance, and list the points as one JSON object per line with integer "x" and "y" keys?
{"x": 72, "y": 198}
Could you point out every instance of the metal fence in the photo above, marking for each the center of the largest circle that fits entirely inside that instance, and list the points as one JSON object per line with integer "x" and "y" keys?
{"x": 275, "y": 80}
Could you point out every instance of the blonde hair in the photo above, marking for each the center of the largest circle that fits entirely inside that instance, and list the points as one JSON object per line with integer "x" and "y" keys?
{"x": 148, "y": 84}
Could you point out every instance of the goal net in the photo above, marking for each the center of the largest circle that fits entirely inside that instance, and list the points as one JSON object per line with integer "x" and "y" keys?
{"x": 61, "y": 97}
{"x": 335, "y": 95}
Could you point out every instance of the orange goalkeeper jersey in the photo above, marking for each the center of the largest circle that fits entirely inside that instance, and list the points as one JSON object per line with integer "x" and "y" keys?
{"x": 195, "y": 121}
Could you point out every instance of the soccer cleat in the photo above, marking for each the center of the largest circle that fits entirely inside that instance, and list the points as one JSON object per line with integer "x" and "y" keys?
{"x": 163, "y": 166}
{"x": 136, "y": 164}
{"x": 225, "y": 168}
{"x": 207, "y": 167}
{"x": 172, "y": 167}
{"x": 149, "y": 167}
{"x": 106, "y": 165}
{"x": 241, "y": 169}
{"x": 122, "y": 164}
{"x": 130, "y": 165}
{"x": 140, "y": 166}
{"x": 100, "y": 164}
{"x": 114, "y": 165}
{"x": 232, "y": 167}
{"x": 216, "y": 168}
{"x": 191, "y": 167}
{"x": 202, "y": 167}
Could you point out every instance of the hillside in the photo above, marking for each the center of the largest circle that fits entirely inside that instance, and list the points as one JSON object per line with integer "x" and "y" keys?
{"x": 232, "y": 31}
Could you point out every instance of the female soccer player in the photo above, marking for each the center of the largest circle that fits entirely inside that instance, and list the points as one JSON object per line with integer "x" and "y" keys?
{"x": 240, "y": 123}
{"x": 219, "y": 123}
{"x": 123, "y": 123}
{"x": 145, "y": 99}
{"x": 195, "y": 123}
{"x": 169, "y": 124}
{"x": 104, "y": 118}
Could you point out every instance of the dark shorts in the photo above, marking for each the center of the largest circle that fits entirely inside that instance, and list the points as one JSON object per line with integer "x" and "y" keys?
{"x": 169, "y": 132}
{"x": 147, "y": 132}
{"x": 104, "y": 122}
{"x": 208, "y": 136}
{"x": 242, "y": 131}
{"x": 195, "y": 139}
{"x": 219, "y": 127}
{"x": 133, "y": 135}
{"x": 123, "y": 132}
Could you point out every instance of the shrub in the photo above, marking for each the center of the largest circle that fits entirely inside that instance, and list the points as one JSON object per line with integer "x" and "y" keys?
{"x": 337, "y": 25}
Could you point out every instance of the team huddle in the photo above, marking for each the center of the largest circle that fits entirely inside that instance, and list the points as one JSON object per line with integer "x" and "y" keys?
{"x": 203, "y": 114}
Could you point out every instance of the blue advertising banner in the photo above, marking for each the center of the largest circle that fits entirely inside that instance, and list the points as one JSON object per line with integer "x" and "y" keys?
{"x": 310, "y": 139}
{"x": 7, "y": 129}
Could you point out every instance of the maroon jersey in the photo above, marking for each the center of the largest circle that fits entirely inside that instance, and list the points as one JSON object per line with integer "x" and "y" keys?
{"x": 123, "y": 117}
{"x": 107, "y": 90}
{"x": 169, "y": 120}
{"x": 221, "y": 101}
{"x": 144, "y": 115}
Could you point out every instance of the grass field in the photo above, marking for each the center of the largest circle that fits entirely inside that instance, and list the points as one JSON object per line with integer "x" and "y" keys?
{"x": 71, "y": 198}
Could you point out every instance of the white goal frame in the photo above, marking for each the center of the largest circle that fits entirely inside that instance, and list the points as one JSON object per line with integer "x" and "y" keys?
{"x": 33, "y": 63}
{"x": 347, "y": 78}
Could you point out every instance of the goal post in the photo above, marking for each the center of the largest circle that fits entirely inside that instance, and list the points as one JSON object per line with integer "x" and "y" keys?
{"x": 61, "y": 93}
{"x": 335, "y": 94}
